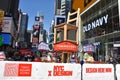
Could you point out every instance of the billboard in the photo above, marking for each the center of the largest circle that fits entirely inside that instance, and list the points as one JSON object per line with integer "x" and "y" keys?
{"x": 38, "y": 19}
{"x": 35, "y": 40}
{"x": 7, "y": 24}
{"x": 59, "y": 19}
{"x": 6, "y": 38}
{"x": 36, "y": 31}
{"x": 1, "y": 16}
{"x": 83, "y": 4}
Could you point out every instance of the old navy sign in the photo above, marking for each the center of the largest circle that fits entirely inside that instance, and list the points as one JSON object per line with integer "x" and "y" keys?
{"x": 97, "y": 23}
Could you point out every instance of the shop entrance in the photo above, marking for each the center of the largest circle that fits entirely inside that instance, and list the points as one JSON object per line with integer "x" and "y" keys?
{"x": 116, "y": 53}
{"x": 65, "y": 57}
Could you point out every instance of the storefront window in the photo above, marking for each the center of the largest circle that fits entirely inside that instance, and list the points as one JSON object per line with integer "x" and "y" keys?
{"x": 106, "y": 20}
{"x": 102, "y": 25}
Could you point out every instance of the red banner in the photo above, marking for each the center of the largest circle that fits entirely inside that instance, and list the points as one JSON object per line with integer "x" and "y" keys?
{"x": 66, "y": 46}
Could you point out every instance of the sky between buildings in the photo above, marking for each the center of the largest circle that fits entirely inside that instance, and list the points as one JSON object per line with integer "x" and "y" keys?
{"x": 32, "y": 7}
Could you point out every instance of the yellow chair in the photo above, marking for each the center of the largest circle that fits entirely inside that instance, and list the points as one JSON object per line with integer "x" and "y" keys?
{"x": 68, "y": 31}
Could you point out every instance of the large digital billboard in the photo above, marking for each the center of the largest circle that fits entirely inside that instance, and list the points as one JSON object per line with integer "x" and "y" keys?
{"x": 6, "y": 38}
{"x": 59, "y": 19}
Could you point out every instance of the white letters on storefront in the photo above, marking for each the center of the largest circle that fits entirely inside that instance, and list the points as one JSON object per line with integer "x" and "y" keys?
{"x": 96, "y": 23}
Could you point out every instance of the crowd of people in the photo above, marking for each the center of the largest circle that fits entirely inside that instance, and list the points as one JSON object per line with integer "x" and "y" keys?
{"x": 16, "y": 55}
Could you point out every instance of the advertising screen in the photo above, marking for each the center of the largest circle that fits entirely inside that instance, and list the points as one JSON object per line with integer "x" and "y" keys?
{"x": 59, "y": 19}
{"x": 6, "y": 38}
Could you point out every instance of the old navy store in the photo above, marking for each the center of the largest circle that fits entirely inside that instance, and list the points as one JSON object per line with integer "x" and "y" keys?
{"x": 101, "y": 30}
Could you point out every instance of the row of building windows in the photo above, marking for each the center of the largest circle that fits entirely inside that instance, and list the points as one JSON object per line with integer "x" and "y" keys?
{"x": 110, "y": 26}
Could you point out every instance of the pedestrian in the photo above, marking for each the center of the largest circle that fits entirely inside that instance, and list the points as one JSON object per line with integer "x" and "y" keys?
{"x": 111, "y": 60}
{"x": 16, "y": 56}
{"x": 73, "y": 60}
{"x": 82, "y": 61}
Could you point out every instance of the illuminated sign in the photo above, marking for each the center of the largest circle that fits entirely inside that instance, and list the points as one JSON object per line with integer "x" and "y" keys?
{"x": 96, "y": 23}
{"x": 83, "y": 4}
{"x": 59, "y": 19}
{"x": 6, "y": 38}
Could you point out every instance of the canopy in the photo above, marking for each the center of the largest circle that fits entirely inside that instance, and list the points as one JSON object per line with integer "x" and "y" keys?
{"x": 43, "y": 46}
{"x": 65, "y": 46}
{"x": 89, "y": 48}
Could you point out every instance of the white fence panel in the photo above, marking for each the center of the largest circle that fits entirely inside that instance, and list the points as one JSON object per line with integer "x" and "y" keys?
{"x": 98, "y": 72}
{"x": 118, "y": 71}
{"x": 39, "y": 71}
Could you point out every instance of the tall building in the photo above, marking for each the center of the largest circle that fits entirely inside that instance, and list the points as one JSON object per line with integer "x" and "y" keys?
{"x": 8, "y": 31}
{"x": 29, "y": 38}
{"x": 23, "y": 30}
{"x": 62, "y": 7}
{"x": 57, "y": 9}
{"x": 51, "y": 29}
{"x": 51, "y": 35}
{"x": 65, "y": 7}
{"x": 10, "y": 7}
{"x": 39, "y": 33}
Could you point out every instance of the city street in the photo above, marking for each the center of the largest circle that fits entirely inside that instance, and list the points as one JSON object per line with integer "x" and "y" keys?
{"x": 60, "y": 40}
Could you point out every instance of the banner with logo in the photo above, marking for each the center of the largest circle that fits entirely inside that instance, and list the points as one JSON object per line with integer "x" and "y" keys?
{"x": 66, "y": 46}
{"x": 39, "y": 71}
{"x": 98, "y": 72}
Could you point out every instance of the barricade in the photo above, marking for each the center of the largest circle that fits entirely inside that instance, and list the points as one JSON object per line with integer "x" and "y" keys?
{"x": 118, "y": 71}
{"x": 39, "y": 71}
{"x": 12, "y": 70}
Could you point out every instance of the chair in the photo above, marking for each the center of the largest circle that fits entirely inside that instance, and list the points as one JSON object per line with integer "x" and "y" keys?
{"x": 68, "y": 28}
